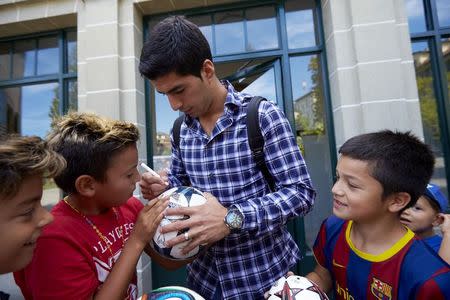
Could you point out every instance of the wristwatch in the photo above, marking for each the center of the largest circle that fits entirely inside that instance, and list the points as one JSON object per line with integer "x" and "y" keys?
{"x": 234, "y": 219}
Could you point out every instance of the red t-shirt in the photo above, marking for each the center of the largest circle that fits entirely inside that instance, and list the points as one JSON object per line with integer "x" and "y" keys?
{"x": 70, "y": 260}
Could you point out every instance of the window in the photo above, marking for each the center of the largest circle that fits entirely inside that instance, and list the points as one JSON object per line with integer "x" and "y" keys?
{"x": 429, "y": 26}
{"x": 239, "y": 31}
{"x": 38, "y": 81}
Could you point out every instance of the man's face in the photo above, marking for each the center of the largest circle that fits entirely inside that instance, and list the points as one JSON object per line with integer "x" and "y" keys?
{"x": 186, "y": 93}
{"x": 21, "y": 221}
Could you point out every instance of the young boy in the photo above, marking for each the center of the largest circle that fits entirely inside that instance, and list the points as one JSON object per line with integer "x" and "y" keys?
{"x": 24, "y": 161}
{"x": 91, "y": 249}
{"x": 364, "y": 251}
{"x": 427, "y": 213}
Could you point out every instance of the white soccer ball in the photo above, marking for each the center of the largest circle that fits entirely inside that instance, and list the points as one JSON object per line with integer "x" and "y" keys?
{"x": 297, "y": 288}
{"x": 183, "y": 196}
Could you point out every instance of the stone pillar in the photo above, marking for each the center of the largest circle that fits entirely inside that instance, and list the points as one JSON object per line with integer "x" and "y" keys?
{"x": 110, "y": 38}
{"x": 98, "y": 58}
{"x": 371, "y": 69}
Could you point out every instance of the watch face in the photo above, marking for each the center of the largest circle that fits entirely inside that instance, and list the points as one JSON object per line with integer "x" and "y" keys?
{"x": 234, "y": 219}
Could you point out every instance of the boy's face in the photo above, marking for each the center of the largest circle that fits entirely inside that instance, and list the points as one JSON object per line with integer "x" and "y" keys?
{"x": 356, "y": 194}
{"x": 121, "y": 178}
{"x": 420, "y": 217}
{"x": 188, "y": 93}
{"x": 21, "y": 221}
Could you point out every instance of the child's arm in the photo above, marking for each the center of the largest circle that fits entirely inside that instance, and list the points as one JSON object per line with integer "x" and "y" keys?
{"x": 444, "y": 250}
{"x": 116, "y": 284}
{"x": 321, "y": 277}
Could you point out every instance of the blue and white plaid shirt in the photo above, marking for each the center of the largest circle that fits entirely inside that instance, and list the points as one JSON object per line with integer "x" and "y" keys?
{"x": 247, "y": 263}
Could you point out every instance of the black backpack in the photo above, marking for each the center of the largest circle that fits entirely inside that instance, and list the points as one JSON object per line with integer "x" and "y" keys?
{"x": 255, "y": 138}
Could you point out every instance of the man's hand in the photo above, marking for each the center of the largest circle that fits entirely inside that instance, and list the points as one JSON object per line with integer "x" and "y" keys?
{"x": 444, "y": 250}
{"x": 152, "y": 186}
{"x": 205, "y": 224}
{"x": 444, "y": 220}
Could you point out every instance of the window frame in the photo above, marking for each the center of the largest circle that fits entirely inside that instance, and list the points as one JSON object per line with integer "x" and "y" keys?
{"x": 62, "y": 77}
{"x": 433, "y": 36}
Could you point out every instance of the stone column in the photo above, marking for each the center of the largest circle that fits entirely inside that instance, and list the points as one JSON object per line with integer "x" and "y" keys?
{"x": 110, "y": 38}
{"x": 371, "y": 69}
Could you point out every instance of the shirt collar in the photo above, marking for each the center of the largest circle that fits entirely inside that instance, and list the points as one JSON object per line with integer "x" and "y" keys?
{"x": 234, "y": 98}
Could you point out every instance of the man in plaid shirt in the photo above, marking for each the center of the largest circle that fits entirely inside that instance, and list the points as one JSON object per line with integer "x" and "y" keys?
{"x": 243, "y": 222}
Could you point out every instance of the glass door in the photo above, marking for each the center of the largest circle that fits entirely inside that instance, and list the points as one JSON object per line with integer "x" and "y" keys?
{"x": 259, "y": 77}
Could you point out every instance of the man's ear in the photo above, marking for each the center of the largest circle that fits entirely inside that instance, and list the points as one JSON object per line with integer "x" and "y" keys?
{"x": 398, "y": 201}
{"x": 85, "y": 185}
{"x": 208, "y": 71}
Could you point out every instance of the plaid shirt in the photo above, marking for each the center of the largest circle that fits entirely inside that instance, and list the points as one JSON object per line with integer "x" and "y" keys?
{"x": 247, "y": 263}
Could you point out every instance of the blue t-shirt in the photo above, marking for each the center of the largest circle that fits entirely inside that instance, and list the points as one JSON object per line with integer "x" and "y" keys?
{"x": 434, "y": 242}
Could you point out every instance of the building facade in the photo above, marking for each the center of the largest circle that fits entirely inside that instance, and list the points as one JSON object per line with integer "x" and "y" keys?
{"x": 337, "y": 68}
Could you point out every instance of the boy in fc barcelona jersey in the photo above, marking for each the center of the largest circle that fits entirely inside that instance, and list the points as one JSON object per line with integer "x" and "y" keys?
{"x": 363, "y": 251}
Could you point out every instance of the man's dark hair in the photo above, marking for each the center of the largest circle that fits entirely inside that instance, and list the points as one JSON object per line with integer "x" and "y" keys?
{"x": 174, "y": 45}
{"x": 398, "y": 160}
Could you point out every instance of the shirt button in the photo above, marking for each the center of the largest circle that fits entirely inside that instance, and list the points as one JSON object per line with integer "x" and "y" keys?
{"x": 211, "y": 175}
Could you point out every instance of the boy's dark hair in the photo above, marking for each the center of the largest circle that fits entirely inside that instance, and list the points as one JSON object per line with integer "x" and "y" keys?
{"x": 398, "y": 160}
{"x": 24, "y": 156}
{"x": 88, "y": 143}
{"x": 174, "y": 44}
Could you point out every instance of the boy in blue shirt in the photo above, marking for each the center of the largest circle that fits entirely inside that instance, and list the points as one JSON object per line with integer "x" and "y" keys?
{"x": 427, "y": 213}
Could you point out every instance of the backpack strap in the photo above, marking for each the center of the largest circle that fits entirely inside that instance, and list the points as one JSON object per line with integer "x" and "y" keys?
{"x": 176, "y": 131}
{"x": 256, "y": 140}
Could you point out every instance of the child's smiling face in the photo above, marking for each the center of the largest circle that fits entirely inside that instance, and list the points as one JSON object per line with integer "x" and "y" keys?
{"x": 356, "y": 194}
{"x": 21, "y": 221}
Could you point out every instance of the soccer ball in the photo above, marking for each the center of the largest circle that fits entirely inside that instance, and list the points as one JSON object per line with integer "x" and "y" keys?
{"x": 172, "y": 293}
{"x": 183, "y": 196}
{"x": 295, "y": 287}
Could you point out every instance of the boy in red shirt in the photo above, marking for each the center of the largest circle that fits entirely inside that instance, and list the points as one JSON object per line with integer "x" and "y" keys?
{"x": 91, "y": 249}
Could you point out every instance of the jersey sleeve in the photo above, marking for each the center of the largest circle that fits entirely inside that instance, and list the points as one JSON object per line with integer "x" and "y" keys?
{"x": 437, "y": 287}
{"x": 320, "y": 244}
{"x": 67, "y": 275}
